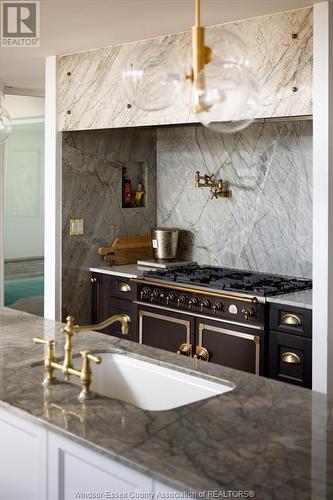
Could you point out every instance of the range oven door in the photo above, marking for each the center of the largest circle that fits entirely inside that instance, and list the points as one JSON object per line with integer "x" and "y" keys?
{"x": 166, "y": 330}
{"x": 231, "y": 346}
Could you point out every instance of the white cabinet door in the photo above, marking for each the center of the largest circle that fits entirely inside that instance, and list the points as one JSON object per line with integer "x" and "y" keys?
{"x": 77, "y": 472}
{"x": 23, "y": 459}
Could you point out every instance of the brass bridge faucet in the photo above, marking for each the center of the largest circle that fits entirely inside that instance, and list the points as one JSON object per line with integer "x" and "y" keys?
{"x": 85, "y": 374}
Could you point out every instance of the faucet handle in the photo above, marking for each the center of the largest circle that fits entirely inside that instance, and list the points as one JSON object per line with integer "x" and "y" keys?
{"x": 50, "y": 379}
{"x": 49, "y": 343}
{"x": 86, "y": 375}
{"x": 86, "y": 355}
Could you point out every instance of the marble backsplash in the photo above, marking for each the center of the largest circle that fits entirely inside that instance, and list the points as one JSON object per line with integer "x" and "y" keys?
{"x": 91, "y": 189}
{"x": 267, "y": 224}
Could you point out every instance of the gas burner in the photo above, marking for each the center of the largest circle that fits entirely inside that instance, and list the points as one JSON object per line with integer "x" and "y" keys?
{"x": 232, "y": 280}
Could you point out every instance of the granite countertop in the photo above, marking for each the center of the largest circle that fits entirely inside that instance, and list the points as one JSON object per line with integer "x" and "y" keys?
{"x": 297, "y": 299}
{"x": 126, "y": 271}
{"x": 265, "y": 436}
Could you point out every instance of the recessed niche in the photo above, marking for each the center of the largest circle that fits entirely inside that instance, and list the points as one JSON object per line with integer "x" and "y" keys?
{"x": 134, "y": 184}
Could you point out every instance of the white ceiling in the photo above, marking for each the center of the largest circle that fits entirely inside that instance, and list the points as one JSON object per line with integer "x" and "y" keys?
{"x": 75, "y": 25}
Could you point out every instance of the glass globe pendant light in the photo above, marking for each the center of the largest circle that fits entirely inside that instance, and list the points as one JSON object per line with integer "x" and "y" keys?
{"x": 5, "y": 121}
{"x": 225, "y": 93}
{"x": 152, "y": 77}
{"x": 229, "y": 99}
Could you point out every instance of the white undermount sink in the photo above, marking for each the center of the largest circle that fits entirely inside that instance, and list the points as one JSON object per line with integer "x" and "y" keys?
{"x": 148, "y": 385}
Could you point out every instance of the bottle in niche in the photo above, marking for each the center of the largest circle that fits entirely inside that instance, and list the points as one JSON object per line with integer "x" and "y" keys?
{"x": 126, "y": 188}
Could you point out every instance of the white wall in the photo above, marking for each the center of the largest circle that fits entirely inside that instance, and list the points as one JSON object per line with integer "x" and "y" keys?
{"x": 52, "y": 196}
{"x": 323, "y": 198}
{"x": 22, "y": 106}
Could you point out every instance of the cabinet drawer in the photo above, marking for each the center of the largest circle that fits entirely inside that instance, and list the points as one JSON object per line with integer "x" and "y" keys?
{"x": 121, "y": 306}
{"x": 123, "y": 288}
{"x": 293, "y": 320}
{"x": 290, "y": 358}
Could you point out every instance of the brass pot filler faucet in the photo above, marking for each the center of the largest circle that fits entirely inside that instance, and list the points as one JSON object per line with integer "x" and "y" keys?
{"x": 85, "y": 374}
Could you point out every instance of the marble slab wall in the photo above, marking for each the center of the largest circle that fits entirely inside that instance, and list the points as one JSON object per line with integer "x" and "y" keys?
{"x": 267, "y": 224}
{"x": 91, "y": 96}
{"x": 91, "y": 189}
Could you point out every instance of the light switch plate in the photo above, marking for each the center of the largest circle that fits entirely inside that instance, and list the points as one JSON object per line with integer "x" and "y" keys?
{"x": 76, "y": 227}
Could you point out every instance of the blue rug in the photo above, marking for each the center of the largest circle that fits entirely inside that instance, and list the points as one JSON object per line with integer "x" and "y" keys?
{"x": 22, "y": 288}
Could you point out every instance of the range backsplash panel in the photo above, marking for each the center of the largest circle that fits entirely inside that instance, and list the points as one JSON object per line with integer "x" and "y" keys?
{"x": 267, "y": 224}
{"x": 91, "y": 189}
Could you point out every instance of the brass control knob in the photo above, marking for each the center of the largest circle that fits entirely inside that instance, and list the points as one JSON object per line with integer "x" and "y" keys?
{"x": 181, "y": 300}
{"x": 145, "y": 293}
{"x": 194, "y": 301}
{"x": 170, "y": 298}
{"x": 185, "y": 350}
{"x": 93, "y": 280}
{"x": 201, "y": 353}
{"x": 155, "y": 294}
{"x": 217, "y": 307}
{"x": 249, "y": 313}
{"x": 205, "y": 304}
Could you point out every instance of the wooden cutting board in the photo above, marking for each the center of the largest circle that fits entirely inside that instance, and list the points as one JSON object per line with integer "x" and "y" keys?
{"x": 127, "y": 242}
{"x": 128, "y": 256}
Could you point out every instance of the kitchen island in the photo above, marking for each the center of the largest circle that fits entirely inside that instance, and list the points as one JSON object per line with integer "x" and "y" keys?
{"x": 263, "y": 436}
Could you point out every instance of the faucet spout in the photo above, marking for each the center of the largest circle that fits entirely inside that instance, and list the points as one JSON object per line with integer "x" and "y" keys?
{"x": 123, "y": 319}
{"x": 70, "y": 329}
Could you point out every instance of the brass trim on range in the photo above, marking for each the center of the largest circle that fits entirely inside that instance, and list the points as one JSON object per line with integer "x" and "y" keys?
{"x": 198, "y": 315}
{"x": 157, "y": 284}
{"x": 247, "y": 336}
{"x": 291, "y": 358}
{"x": 291, "y": 320}
{"x": 124, "y": 287}
{"x": 186, "y": 323}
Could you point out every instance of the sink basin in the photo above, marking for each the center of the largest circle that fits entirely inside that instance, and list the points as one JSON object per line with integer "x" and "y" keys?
{"x": 148, "y": 385}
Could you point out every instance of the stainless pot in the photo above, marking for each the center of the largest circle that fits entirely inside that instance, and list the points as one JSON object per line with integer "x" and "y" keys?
{"x": 165, "y": 243}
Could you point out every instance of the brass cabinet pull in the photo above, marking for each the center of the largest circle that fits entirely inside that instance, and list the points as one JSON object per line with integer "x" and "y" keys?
{"x": 201, "y": 353}
{"x": 185, "y": 349}
{"x": 291, "y": 358}
{"x": 291, "y": 319}
{"x": 93, "y": 280}
{"x": 124, "y": 287}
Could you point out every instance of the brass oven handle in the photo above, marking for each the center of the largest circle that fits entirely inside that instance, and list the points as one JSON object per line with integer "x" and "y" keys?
{"x": 185, "y": 349}
{"x": 201, "y": 353}
{"x": 291, "y": 358}
{"x": 124, "y": 287}
{"x": 291, "y": 319}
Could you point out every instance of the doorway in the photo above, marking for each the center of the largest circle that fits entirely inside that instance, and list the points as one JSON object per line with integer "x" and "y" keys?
{"x": 24, "y": 205}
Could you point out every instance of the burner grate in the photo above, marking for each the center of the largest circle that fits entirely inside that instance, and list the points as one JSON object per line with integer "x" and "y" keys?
{"x": 233, "y": 280}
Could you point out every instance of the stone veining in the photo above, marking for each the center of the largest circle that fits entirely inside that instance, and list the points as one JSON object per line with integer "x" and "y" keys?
{"x": 265, "y": 436}
{"x": 91, "y": 181}
{"x": 267, "y": 225}
{"x": 90, "y": 89}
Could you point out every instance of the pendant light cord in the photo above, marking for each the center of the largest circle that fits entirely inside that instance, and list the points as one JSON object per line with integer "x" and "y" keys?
{"x": 197, "y": 12}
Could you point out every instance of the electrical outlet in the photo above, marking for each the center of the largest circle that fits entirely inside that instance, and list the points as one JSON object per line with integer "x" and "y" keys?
{"x": 76, "y": 227}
